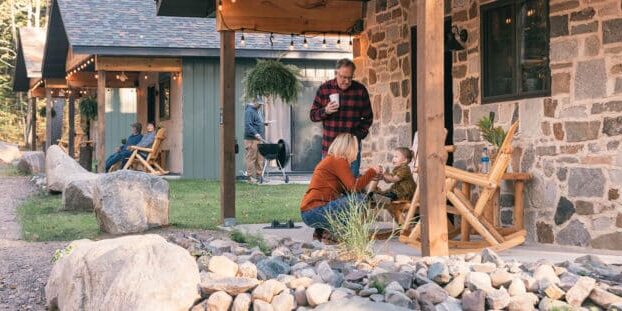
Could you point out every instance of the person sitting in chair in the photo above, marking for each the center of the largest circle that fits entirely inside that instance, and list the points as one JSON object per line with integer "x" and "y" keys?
{"x": 147, "y": 140}
{"x": 123, "y": 152}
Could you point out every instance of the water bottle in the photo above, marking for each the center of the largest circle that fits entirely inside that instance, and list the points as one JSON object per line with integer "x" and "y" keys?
{"x": 484, "y": 162}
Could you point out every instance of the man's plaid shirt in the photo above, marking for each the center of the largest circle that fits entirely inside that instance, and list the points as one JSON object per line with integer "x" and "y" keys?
{"x": 354, "y": 116}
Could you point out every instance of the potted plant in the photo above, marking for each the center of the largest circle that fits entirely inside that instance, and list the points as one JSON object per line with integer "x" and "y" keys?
{"x": 493, "y": 135}
{"x": 272, "y": 79}
{"x": 88, "y": 113}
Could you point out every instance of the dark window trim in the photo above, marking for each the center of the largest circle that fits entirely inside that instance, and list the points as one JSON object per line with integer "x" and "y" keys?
{"x": 516, "y": 5}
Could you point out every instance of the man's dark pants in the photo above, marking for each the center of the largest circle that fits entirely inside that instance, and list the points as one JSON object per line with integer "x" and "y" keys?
{"x": 116, "y": 157}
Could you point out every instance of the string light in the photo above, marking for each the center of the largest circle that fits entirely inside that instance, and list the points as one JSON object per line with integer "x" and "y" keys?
{"x": 291, "y": 43}
{"x": 271, "y": 39}
{"x": 350, "y": 42}
{"x": 324, "y": 42}
{"x": 242, "y": 39}
{"x": 146, "y": 77}
{"x": 232, "y": 1}
{"x": 339, "y": 40}
{"x": 305, "y": 44}
{"x": 96, "y": 76}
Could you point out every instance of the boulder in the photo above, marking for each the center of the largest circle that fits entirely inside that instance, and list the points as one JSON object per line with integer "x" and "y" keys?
{"x": 60, "y": 169}
{"x": 127, "y": 273}
{"x": 130, "y": 202}
{"x": 78, "y": 193}
{"x": 32, "y": 162}
{"x": 8, "y": 152}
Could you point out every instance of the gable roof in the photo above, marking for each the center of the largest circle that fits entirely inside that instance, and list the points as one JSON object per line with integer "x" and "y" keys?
{"x": 30, "y": 45}
{"x": 132, "y": 28}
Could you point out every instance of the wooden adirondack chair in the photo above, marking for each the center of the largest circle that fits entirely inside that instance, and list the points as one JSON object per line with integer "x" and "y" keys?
{"x": 492, "y": 237}
{"x": 149, "y": 162}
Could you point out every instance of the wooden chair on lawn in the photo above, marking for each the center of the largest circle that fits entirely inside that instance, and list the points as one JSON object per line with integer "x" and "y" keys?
{"x": 146, "y": 159}
{"x": 491, "y": 236}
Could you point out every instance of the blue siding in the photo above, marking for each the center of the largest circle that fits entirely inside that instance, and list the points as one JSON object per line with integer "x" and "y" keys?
{"x": 201, "y": 112}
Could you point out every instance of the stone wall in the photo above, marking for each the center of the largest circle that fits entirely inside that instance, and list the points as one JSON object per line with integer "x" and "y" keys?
{"x": 569, "y": 141}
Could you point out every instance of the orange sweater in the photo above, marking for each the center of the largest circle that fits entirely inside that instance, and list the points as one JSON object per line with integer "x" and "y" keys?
{"x": 331, "y": 178}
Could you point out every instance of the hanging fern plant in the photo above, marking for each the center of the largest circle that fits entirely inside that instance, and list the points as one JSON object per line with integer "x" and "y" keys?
{"x": 88, "y": 112}
{"x": 272, "y": 78}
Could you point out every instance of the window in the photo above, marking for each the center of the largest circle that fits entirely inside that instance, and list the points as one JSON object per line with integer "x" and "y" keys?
{"x": 165, "y": 96}
{"x": 515, "y": 49}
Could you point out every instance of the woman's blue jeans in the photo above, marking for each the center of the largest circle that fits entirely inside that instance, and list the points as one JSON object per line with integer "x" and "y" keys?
{"x": 316, "y": 217}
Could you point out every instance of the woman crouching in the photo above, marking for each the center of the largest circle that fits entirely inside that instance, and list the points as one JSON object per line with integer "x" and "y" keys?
{"x": 333, "y": 186}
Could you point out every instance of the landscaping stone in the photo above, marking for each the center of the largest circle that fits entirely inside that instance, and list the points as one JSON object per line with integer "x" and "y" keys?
{"x": 384, "y": 278}
{"x": 318, "y": 293}
{"x": 61, "y": 169}
{"x": 223, "y": 266}
{"x": 267, "y": 290}
{"x": 130, "y": 202}
{"x": 358, "y": 305}
{"x": 32, "y": 162}
{"x": 247, "y": 269}
{"x": 78, "y": 193}
{"x": 242, "y": 302}
{"x": 341, "y": 293}
{"x": 554, "y": 292}
{"x": 300, "y": 296}
{"x": 548, "y": 304}
{"x": 479, "y": 281}
{"x": 270, "y": 268}
{"x": 474, "y": 301}
{"x": 517, "y": 288}
{"x": 327, "y": 274}
{"x": 439, "y": 273}
{"x": 283, "y": 302}
{"x": 432, "y": 293}
{"x": 366, "y": 292}
{"x": 148, "y": 274}
{"x": 8, "y": 152}
{"x": 377, "y": 298}
{"x": 219, "y": 301}
{"x": 603, "y": 298}
{"x": 580, "y": 291}
{"x": 456, "y": 286}
{"x": 260, "y": 305}
{"x": 498, "y": 299}
{"x": 230, "y": 285}
{"x": 489, "y": 256}
{"x": 398, "y": 299}
{"x": 500, "y": 277}
{"x": 451, "y": 304}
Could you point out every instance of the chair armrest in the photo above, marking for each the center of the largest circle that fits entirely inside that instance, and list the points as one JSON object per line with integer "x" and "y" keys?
{"x": 468, "y": 177}
{"x": 140, "y": 148}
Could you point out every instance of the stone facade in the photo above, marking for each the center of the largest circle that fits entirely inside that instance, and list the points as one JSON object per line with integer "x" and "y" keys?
{"x": 570, "y": 141}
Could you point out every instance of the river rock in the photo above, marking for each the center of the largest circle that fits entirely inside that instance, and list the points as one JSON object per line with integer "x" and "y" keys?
{"x": 260, "y": 305}
{"x": 456, "y": 286}
{"x": 130, "y": 202}
{"x": 219, "y": 301}
{"x": 267, "y": 290}
{"x": 318, "y": 293}
{"x": 231, "y": 285}
{"x": 439, "y": 273}
{"x": 604, "y": 298}
{"x": 432, "y": 293}
{"x": 247, "y": 269}
{"x": 223, "y": 266}
{"x": 78, "y": 193}
{"x": 358, "y": 305}
{"x": 32, "y": 162}
{"x": 580, "y": 291}
{"x": 479, "y": 280}
{"x": 384, "y": 278}
{"x": 474, "y": 301}
{"x": 498, "y": 299}
{"x": 283, "y": 302}
{"x": 270, "y": 268}
{"x": 242, "y": 302}
{"x": 128, "y": 273}
{"x": 548, "y": 304}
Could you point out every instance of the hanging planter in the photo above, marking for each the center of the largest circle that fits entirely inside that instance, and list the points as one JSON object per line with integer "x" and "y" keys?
{"x": 88, "y": 112}
{"x": 272, "y": 78}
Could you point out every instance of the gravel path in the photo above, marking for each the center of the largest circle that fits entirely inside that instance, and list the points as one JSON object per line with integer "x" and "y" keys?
{"x": 24, "y": 266}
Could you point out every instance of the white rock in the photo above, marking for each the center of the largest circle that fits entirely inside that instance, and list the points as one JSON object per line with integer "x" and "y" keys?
{"x": 521, "y": 303}
{"x": 223, "y": 266}
{"x": 517, "y": 288}
{"x": 451, "y": 304}
{"x": 580, "y": 291}
{"x": 397, "y": 299}
{"x": 318, "y": 293}
{"x": 211, "y": 282}
{"x": 548, "y": 304}
{"x": 32, "y": 162}
{"x": 341, "y": 293}
{"x": 500, "y": 278}
{"x": 283, "y": 302}
{"x": 128, "y": 273}
{"x": 300, "y": 295}
{"x": 260, "y": 305}
{"x": 242, "y": 302}
{"x": 219, "y": 301}
{"x": 247, "y": 269}
{"x": 9, "y": 152}
{"x": 456, "y": 286}
{"x": 267, "y": 290}
{"x": 545, "y": 275}
{"x": 439, "y": 273}
{"x": 479, "y": 280}
{"x": 604, "y": 298}
{"x": 300, "y": 282}
{"x": 130, "y": 202}
{"x": 432, "y": 292}
{"x": 498, "y": 299}
{"x": 395, "y": 286}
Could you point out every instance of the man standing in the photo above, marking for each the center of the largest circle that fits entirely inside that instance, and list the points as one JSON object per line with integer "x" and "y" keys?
{"x": 254, "y": 129}
{"x": 349, "y": 110}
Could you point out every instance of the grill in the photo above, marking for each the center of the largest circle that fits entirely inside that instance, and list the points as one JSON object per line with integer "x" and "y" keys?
{"x": 278, "y": 152}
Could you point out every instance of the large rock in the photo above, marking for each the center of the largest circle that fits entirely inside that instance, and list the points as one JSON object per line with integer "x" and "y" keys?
{"x": 78, "y": 193}
{"x": 127, "y": 273}
{"x": 32, "y": 162}
{"x": 129, "y": 202}
{"x": 8, "y": 152}
{"x": 60, "y": 169}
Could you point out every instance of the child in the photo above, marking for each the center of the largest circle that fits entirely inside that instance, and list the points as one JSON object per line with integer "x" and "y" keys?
{"x": 403, "y": 185}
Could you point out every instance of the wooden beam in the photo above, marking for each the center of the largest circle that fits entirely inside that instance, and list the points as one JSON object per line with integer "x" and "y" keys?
{"x": 293, "y": 16}
{"x": 72, "y": 123}
{"x": 33, "y": 131}
{"x": 227, "y": 128}
{"x": 48, "y": 118}
{"x": 55, "y": 83}
{"x": 37, "y": 93}
{"x": 100, "y": 150}
{"x": 147, "y": 64}
{"x": 87, "y": 79}
{"x": 430, "y": 125}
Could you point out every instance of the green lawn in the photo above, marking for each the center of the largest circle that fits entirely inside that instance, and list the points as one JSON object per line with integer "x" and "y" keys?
{"x": 194, "y": 204}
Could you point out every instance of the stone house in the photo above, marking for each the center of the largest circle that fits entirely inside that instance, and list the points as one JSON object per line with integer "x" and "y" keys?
{"x": 556, "y": 66}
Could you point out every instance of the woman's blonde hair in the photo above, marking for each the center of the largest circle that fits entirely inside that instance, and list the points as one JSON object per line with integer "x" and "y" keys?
{"x": 345, "y": 146}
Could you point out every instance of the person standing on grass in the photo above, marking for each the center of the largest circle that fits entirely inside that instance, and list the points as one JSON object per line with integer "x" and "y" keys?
{"x": 343, "y": 106}
{"x": 333, "y": 186}
{"x": 254, "y": 129}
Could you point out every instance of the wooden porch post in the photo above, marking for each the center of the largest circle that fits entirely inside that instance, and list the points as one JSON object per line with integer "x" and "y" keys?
{"x": 100, "y": 148}
{"x": 227, "y": 127}
{"x": 72, "y": 123}
{"x": 48, "y": 118}
{"x": 33, "y": 130}
{"x": 430, "y": 121}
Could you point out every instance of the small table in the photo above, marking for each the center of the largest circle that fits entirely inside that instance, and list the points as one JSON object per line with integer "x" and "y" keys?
{"x": 492, "y": 209}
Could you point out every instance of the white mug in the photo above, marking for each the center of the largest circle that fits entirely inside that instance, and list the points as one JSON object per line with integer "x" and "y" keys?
{"x": 334, "y": 98}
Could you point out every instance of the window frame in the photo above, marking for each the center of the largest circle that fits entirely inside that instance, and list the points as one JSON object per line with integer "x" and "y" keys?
{"x": 516, "y": 8}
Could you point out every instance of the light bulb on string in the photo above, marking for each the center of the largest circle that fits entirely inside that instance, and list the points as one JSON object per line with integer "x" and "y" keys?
{"x": 271, "y": 39}
{"x": 350, "y": 42}
{"x": 324, "y": 42}
{"x": 339, "y": 40}
{"x": 291, "y": 43}
{"x": 242, "y": 39}
{"x": 305, "y": 44}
